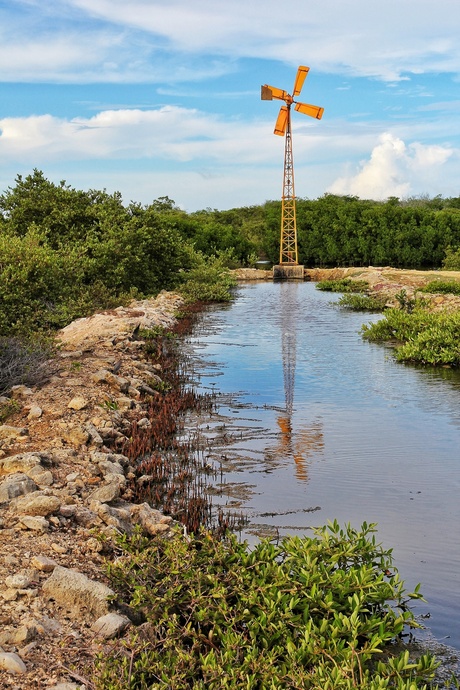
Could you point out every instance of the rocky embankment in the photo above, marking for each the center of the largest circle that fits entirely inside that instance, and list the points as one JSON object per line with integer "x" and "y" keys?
{"x": 63, "y": 485}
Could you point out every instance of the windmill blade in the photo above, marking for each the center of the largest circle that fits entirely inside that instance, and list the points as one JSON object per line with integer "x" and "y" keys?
{"x": 299, "y": 80}
{"x": 266, "y": 93}
{"x": 312, "y": 110}
{"x": 281, "y": 123}
{"x": 270, "y": 92}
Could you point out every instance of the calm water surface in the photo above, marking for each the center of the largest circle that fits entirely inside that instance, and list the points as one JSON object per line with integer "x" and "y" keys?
{"x": 338, "y": 430}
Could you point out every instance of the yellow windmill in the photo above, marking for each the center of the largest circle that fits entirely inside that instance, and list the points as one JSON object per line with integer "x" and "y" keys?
{"x": 288, "y": 245}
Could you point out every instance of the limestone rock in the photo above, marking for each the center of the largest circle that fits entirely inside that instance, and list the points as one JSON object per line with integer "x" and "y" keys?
{"x": 43, "y": 563}
{"x": 109, "y": 467}
{"x": 35, "y": 412}
{"x": 76, "y": 436}
{"x": 21, "y": 392}
{"x": 106, "y": 326}
{"x": 118, "y": 517}
{"x": 8, "y": 433}
{"x": 78, "y": 403}
{"x": 22, "y": 462}
{"x": 151, "y": 520}
{"x": 111, "y": 625}
{"x": 41, "y": 476}
{"x": 106, "y": 493}
{"x": 21, "y": 580}
{"x": 95, "y": 436}
{"x": 11, "y": 662}
{"x": 36, "y": 503}
{"x": 77, "y": 593}
{"x": 16, "y": 485}
{"x": 34, "y": 522}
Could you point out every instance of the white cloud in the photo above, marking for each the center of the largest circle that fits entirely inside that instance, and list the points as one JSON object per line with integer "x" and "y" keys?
{"x": 150, "y": 40}
{"x": 395, "y": 169}
{"x": 169, "y": 134}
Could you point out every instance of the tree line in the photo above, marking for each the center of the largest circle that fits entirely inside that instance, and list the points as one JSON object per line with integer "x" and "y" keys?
{"x": 66, "y": 252}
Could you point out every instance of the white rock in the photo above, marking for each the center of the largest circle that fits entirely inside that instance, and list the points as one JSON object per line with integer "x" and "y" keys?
{"x": 35, "y": 412}
{"x": 12, "y": 662}
{"x": 34, "y": 522}
{"x": 43, "y": 563}
{"x": 77, "y": 593}
{"x": 16, "y": 485}
{"x": 110, "y": 625}
{"x": 36, "y": 503}
{"x": 78, "y": 403}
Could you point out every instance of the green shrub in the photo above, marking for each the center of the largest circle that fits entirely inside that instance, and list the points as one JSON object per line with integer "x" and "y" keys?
{"x": 424, "y": 337}
{"x": 448, "y": 287}
{"x": 208, "y": 281}
{"x": 359, "y": 302}
{"x": 342, "y": 285}
{"x": 37, "y": 284}
{"x": 315, "y": 612}
{"x": 452, "y": 259}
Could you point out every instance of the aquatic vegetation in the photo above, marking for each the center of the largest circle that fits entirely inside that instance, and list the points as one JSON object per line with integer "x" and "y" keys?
{"x": 421, "y": 336}
{"x": 315, "y": 612}
{"x": 359, "y": 302}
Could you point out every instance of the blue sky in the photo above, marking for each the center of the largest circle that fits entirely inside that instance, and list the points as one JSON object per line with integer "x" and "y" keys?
{"x": 155, "y": 98}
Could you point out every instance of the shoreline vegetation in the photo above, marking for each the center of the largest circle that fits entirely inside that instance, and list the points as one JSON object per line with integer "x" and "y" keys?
{"x": 117, "y": 573}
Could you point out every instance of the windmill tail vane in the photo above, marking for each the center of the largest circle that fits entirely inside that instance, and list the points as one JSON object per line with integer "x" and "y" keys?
{"x": 288, "y": 244}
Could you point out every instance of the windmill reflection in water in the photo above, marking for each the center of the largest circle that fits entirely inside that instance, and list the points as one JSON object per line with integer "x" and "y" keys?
{"x": 305, "y": 440}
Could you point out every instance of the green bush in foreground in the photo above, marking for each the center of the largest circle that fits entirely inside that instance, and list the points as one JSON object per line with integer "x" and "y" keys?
{"x": 318, "y": 612}
{"x": 424, "y": 337}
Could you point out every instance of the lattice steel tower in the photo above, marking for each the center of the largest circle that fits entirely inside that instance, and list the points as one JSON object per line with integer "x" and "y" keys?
{"x": 288, "y": 241}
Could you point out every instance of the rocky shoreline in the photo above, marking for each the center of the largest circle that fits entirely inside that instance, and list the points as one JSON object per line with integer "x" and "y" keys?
{"x": 63, "y": 479}
{"x": 64, "y": 485}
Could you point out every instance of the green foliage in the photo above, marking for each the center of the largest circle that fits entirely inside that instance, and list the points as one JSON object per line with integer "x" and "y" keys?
{"x": 424, "y": 337}
{"x": 342, "y": 285}
{"x": 66, "y": 253}
{"x": 447, "y": 287}
{"x": 208, "y": 281}
{"x": 406, "y": 303}
{"x": 318, "y": 612}
{"x": 8, "y": 408}
{"x": 452, "y": 259}
{"x": 359, "y": 302}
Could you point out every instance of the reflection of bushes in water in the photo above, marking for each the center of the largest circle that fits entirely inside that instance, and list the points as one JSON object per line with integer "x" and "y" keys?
{"x": 171, "y": 471}
{"x": 312, "y": 612}
{"x": 23, "y": 362}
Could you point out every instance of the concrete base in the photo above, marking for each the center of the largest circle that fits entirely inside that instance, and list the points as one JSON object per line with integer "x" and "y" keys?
{"x": 288, "y": 272}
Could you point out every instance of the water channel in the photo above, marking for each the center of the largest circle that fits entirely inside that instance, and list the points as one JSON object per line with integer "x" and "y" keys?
{"x": 323, "y": 425}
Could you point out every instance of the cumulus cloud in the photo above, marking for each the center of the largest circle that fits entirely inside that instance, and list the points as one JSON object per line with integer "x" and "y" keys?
{"x": 394, "y": 169}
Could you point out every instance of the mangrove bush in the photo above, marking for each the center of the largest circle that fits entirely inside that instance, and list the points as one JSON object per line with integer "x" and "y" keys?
{"x": 315, "y": 612}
